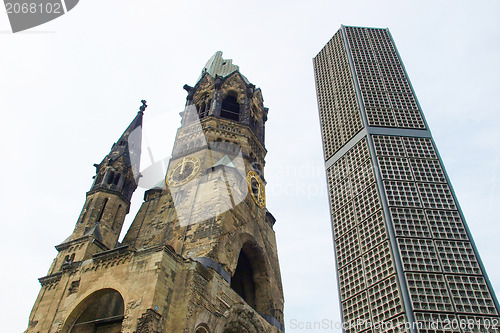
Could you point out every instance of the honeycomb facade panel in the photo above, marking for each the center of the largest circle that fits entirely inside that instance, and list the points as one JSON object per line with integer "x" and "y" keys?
{"x": 429, "y": 322}
{"x": 347, "y": 247}
{"x": 353, "y": 280}
{"x": 356, "y": 309}
{"x": 372, "y": 231}
{"x": 389, "y": 145}
{"x": 457, "y": 257}
{"x": 410, "y": 222}
{"x": 378, "y": 263}
{"x": 344, "y": 219}
{"x": 429, "y": 292}
{"x": 401, "y": 239}
{"x": 425, "y": 170}
{"x": 471, "y": 295}
{"x": 446, "y": 224}
{"x": 384, "y": 300}
{"x": 419, "y": 255}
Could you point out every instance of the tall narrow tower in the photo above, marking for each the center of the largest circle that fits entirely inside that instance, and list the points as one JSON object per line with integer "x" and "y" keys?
{"x": 406, "y": 260}
{"x": 200, "y": 255}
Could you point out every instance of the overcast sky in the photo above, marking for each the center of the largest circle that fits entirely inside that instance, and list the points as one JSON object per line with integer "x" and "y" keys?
{"x": 70, "y": 87}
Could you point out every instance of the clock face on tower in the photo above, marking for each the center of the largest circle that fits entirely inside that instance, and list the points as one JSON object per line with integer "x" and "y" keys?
{"x": 183, "y": 171}
{"x": 256, "y": 189}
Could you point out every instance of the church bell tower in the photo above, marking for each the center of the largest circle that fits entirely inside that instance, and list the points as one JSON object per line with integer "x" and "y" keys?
{"x": 200, "y": 255}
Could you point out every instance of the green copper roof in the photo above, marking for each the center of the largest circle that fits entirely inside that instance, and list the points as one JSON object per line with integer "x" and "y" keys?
{"x": 219, "y": 66}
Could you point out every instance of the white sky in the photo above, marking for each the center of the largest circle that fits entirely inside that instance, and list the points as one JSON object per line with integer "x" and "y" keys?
{"x": 70, "y": 87}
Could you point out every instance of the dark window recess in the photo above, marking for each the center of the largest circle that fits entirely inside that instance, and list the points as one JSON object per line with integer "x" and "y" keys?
{"x": 102, "y": 210}
{"x": 113, "y": 178}
{"x": 230, "y": 108}
{"x": 203, "y": 109}
{"x": 242, "y": 281}
{"x": 69, "y": 258}
{"x": 116, "y": 179}
{"x": 109, "y": 178}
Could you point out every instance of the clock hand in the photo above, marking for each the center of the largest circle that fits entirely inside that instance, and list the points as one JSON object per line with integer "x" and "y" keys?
{"x": 183, "y": 165}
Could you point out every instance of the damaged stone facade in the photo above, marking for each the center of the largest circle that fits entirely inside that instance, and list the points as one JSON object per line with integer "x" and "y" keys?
{"x": 200, "y": 255}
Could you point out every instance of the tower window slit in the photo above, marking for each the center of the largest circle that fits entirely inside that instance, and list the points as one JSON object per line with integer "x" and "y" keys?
{"x": 102, "y": 210}
{"x": 116, "y": 179}
{"x": 117, "y": 216}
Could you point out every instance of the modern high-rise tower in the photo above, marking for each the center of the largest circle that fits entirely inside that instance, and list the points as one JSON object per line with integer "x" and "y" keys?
{"x": 200, "y": 255}
{"x": 406, "y": 260}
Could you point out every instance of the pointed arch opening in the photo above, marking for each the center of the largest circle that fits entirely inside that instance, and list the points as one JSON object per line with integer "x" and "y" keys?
{"x": 243, "y": 280}
{"x": 250, "y": 279}
{"x": 101, "y": 312}
{"x": 230, "y": 108}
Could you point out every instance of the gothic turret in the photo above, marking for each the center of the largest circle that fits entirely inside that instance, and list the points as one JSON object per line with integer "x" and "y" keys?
{"x": 108, "y": 201}
{"x": 116, "y": 178}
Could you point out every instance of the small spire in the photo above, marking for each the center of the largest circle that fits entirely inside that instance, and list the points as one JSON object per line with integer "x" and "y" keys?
{"x": 143, "y": 106}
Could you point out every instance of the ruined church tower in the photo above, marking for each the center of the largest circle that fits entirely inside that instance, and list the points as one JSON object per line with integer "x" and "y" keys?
{"x": 200, "y": 255}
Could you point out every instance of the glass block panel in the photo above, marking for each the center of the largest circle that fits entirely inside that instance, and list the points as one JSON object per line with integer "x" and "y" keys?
{"x": 402, "y": 194}
{"x": 409, "y": 222}
{"x": 418, "y": 255}
{"x": 446, "y": 224}
{"x": 385, "y": 300}
{"x": 378, "y": 263}
{"x": 457, "y": 257}
{"x": 428, "y": 292}
{"x": 470, "y": 294}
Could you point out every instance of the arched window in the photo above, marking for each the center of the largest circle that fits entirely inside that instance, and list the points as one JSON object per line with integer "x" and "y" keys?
{"x": 109, "y": 177}
{"x": 116, "y": 179}
{"x": 100, "y": 312}
{"x": 230, "y": 108}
